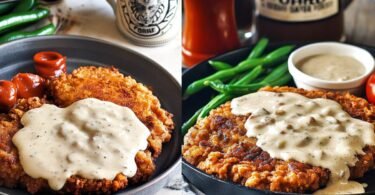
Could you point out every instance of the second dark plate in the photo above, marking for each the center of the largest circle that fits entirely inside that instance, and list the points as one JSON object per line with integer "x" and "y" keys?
{"x": 207, "y": 183}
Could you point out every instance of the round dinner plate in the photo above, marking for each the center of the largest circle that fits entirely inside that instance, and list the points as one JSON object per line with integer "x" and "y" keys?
{"x": 207, "y": 183}
{"x": 17, "y": 57}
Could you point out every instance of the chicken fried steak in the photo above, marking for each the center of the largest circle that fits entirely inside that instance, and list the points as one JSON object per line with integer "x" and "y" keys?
{"x": 88, "y": 82}
{"x": 218, "y": 145}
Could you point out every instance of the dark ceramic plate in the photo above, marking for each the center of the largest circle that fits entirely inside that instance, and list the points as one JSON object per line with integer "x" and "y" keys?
{"x": 207, "y": 183}
{"x": 17, "y": 57}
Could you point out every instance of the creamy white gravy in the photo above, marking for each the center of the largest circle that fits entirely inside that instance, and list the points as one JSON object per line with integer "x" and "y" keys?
{"x": 331, "y": 67}
{"x": 313, "y": 131}
{"x": 91, "y": 138}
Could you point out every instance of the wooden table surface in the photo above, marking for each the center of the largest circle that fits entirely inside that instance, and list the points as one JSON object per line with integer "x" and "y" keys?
{"x": 360, "y": 22}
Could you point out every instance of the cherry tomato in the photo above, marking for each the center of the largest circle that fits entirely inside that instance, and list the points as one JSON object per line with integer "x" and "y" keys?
{"x": 370, "y": 89}
{"x": 29, "y": 85}
{"x": 8, "y": 95}
{"x": 49, "y": 64}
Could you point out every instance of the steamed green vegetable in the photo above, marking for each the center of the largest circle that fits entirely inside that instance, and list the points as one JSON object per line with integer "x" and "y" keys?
{"x": 246, "y": 65}
{"x": 221, "y": 98}
{"x": 248, "y": 76}
{"x": 273, "y": 79}
{"x": 218, "y": 65}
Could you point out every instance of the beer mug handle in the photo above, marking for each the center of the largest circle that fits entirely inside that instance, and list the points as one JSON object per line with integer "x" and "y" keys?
{"x": 113, "y": 4}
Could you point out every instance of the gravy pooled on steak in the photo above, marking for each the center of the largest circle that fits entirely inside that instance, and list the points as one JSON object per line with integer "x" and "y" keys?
{"x": 318, "y": 131}
{"x": 91, "y": 138}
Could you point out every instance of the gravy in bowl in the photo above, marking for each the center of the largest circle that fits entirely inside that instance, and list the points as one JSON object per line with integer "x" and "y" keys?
{"x": 331, "y": 67}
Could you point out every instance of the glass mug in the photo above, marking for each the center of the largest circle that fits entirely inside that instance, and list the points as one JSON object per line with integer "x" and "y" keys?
{"x": 148, "y": 22}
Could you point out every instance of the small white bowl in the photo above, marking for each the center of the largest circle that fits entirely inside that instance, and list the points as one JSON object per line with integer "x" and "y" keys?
{"x": 354, "y": 86}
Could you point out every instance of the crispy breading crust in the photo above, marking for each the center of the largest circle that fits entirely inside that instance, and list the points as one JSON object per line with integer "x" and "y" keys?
{"x": 102, "y": 83}
{"x": 109, "y": 84}
{"x": 219, "y": 146}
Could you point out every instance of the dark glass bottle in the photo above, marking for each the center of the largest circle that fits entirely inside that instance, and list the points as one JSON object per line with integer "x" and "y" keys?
{"x": 300, "y": 20}
{"x": 244, "y": 13}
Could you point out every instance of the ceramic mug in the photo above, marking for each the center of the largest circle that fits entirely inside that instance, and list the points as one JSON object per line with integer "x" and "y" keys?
{"x": 148, "y": 22}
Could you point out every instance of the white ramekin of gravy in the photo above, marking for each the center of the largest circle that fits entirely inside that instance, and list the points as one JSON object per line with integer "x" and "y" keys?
{"x": 331, "y": 66}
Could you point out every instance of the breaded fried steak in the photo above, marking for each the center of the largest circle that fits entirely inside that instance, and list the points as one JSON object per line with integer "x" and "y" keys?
{"x": 108, "y": 84}
{"x": 218, "y": 145}
{"x": 88, "y": 82}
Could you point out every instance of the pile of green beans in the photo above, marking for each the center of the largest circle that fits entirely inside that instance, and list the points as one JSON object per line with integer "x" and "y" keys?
{"x": 246, "y": 65}
{"x": 246, "y": 77}
{"x": 24, "y": 14}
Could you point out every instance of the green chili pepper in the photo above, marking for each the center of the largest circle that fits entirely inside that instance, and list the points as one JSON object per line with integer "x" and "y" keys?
{"x": 7, "y": 7}
{"x": 18, "y": 19}
{"x": 46, "y": 30}
{"x": 24, "y": 5}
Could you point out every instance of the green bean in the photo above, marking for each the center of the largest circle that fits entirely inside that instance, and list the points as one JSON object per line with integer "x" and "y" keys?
{"x": 285, "y": 79}
{"x": 216, "y": 82}
{"x": 255, "y": 53}
{"x": 218, "y": 65}
{"x": 271, "y": 58}
{"x": 236, "y": 78}
{"x": 278, "y": 72}
{"x": 214, "y": 103}
{"x": 248, "y": 64}
{"x": 251, "y": 76}
{"x": 258, "y": 49}
{"x": 240, "y": 88}
{"x": 278, "y": 54}
{"x": 258, "y": 80}
{"x": 193, "y": 119}
{"x": 218, "y": 100}
{"x": 222, "y": 98}
{"x": 246, "y": 78}
{"x": 237, "y": 90}
{"x": 186, "y": 126}
{"x": 220, "y": 75}
{"x": 243, "y": 77}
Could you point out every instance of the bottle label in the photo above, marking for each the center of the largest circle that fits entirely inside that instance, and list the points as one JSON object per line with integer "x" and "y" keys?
{"x": 297, "y": 10}
{"x": 149, "y": 18}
